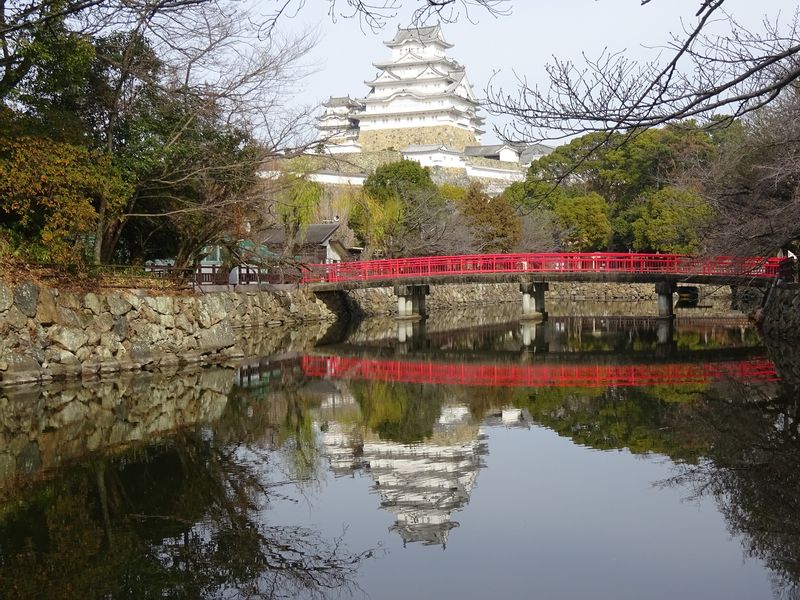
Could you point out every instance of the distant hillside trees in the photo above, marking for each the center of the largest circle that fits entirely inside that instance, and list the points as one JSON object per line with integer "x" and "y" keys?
{"x": 493, "y": 223}
{"x": 402, "y": 212}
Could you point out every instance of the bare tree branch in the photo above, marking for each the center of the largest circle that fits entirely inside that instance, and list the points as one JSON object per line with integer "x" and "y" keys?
{"x": 735, "y": 73}
{"x": 374, "y": 14}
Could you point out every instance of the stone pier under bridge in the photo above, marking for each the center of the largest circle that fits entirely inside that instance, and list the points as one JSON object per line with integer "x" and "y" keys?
{"x": 533, "y": 299}
{"x": 411, "y": 300}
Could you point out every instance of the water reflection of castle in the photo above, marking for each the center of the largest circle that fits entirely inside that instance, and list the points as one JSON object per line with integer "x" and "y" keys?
{"x": 421, "y": 484}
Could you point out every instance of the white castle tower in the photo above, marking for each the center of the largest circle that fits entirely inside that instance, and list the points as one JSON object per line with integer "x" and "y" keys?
{"x": 338, "y": 125}
{"x": 419, "y": 96}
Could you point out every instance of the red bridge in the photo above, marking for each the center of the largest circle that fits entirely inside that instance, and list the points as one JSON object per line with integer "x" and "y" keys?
{"x": 598, "y": 266}
{"x": 412, "y": 277}
{"x": 537, "y": 375}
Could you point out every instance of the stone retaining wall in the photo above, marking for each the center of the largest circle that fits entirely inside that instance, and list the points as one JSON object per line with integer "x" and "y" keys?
{"x": 47, "y": 333}
{"x": 781, "y": 316}
{"x": 381, "y": 301}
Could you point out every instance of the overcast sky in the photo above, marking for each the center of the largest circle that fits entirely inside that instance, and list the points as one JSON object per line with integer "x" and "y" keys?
{"x": 521, "y": 43}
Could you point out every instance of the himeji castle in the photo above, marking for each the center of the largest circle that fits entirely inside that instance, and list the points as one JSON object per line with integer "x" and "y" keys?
{"x": 421, "y": 104}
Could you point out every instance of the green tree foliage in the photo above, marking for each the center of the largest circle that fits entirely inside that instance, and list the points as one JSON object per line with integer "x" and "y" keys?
{"x": 402, "y": 179}
{"x": 413, "y": 215}
{"x": 584, "y": 222}
{"x": 156, "y": 89}
{"x": 50, "y": 193}
{"x": 40, "y": 53}
{"x": 372, "y": 221}
{"x": 630, "y": 418}
{"x": 452, "y": 193}
{"x": 297, "y": 203}
{"x": 196, "y": 187}
{"x": 671, "y": 220}
{"x": 401, "y": 413}
{"x": 625, "y": 170}
{"x": 493, "y": 222}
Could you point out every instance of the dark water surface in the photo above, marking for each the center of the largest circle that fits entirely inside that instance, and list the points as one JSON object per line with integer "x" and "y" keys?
{"x": 581, "y": 458}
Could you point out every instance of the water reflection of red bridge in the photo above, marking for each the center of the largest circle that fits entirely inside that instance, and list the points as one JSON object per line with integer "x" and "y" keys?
{"x": 538, "y": 375}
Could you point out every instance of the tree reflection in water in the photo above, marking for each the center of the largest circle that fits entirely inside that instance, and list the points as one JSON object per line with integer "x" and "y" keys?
{"x": 752, "y": 469}
{"x": 183, "y": 518}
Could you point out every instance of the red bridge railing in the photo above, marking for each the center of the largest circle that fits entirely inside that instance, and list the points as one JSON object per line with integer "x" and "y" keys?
{"x": 534, "y": 376}
{"x": 594, "y": 262}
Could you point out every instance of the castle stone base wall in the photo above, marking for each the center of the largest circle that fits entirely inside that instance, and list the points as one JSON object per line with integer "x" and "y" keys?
{"x": 400, "y": 138}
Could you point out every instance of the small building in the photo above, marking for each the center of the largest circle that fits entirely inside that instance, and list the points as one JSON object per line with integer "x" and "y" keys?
{"x": 501, "y": 152}
{"x": 521, "y": 154}
{"x": 316, "y": 244}
{"x": 434, "y": 155}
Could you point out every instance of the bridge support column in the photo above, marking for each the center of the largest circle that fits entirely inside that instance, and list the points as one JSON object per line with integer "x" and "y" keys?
{"x": 411, "y": 300}
{"x": 665, "y": 289}
{"x": 533, "y": 299}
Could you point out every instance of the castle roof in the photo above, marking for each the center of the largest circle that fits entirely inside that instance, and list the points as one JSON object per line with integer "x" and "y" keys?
{"x": 452, "y": 74}
{"x": 489, "y": 150}
{"x": 526, "y": 152}
{"x": 412, "y": 60}
{"x": 531, "y": 151}
{"x": 316, "y": 233}
{"x": 341, "y": 101}
{"x": 373, "y": 99}
{"x": 431, "y": 34}
{"x": 417, "y": 148}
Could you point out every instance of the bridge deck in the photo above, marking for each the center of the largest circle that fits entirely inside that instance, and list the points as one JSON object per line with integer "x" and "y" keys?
{"x": 511, "y": 268}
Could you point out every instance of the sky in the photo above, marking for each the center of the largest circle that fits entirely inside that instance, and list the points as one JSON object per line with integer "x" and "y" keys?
{"x": 505, "y": 47}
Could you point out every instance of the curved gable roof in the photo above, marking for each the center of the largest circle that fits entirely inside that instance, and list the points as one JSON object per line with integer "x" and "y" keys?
{"x": 431, "y": 34}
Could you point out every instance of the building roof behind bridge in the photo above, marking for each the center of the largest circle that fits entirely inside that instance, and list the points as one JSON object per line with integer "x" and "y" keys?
{"x": 316, "y": 234}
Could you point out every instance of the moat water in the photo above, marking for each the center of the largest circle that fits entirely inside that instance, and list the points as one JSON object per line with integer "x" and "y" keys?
{"x": 458, "y": 458}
